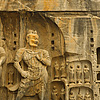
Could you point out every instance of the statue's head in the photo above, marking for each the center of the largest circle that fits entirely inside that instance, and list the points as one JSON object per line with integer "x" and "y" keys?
{"x": 32, "y": 38}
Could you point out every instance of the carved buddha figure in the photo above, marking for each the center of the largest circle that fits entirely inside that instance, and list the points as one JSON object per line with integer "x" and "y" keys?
{"x": 56, "y": 70}
{"x": 54, "y": 93}
{"x": 63, "y": 71}
{"x": 86, "y": 74}
{"x": 36, "y": 61}
{"x": 87, "y": 96}
{"x": 79, "y": 74}
{"x": 79, "y": 96}
{"x": 62, "y": 94}
{"x": 71, "y": 96}
{"x": 71, "y": 75}
{"x": 11, "y": 77}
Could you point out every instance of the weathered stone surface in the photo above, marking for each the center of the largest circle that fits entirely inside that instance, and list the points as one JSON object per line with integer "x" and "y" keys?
{"x": 49, "y": 50}
{"x": 50, "y": 5}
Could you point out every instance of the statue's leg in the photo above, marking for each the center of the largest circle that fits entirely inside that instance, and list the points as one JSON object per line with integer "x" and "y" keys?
{"x": 44, "y": 78}
{"x": 0, "y": 71}
{"x": 42, "y": 93}
{"x": 24, "y": 85}
{"x": 0, "y": 76}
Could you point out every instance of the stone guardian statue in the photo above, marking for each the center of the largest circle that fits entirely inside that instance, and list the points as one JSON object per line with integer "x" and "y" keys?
{"x": 36, "y": 60}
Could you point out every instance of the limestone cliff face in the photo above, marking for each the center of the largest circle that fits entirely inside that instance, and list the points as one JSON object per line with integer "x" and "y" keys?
{"x": 69, "y": 30}
{"x": 50, "y": 5}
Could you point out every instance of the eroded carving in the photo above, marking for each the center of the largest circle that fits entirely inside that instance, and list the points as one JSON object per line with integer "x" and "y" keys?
{"x": 71, "y": 75}
{"x": 54, "y": 93}
{"x": 56, "y": 70}
{"x": 79, "y": 74}
{"x": 80, "y": 96}
{"x": 67, "y": 79}
{"x": 71, "y": 95}
{"x": 87, "y": 96}
{"x": 11, "y": 76}
{"x": 62, "y": 94}
{"x": 63, "y": 71}
{"x": 86, "y": 74}
{"x": 36, "y": 60}
{"x": 80, "y": 93}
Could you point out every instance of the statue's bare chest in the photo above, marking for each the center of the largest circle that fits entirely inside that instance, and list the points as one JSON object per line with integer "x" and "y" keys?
{"x": 30, "y": 59}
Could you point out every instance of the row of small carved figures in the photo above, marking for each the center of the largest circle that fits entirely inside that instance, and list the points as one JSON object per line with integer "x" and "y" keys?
{"x": 72, "y": 74}
{"x": 55, "y": 94}
{"x": 79, "y": 75}
{"x": 79, "y": 96}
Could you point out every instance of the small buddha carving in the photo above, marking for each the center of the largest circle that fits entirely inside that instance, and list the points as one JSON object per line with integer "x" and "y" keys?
{"x": 71, "y": 75}
{"x": 11, "y": 76}
{"x": 87, "y": 96}
{"x": 54, "y": 93}
{"x": 79, "y": 96}
{"x": 79, "y": 74}
{"x": 86, "y": 74}
{"x": 62, "y": 94}
{"x": 63, "y": 71}
{"x": 71, "y": 96}
{"x": 56, "y": 70}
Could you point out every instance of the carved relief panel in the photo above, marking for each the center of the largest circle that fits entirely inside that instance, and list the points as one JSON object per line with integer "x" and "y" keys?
{"x": 80, "y": 80}
{"x": 58, "y": 70}
{"x": 35, "y": 65}
{"x": 23, "y": 80}
{"x": 58, "y": 90}
{"x": 80, "y": 73}
{"x": 80, "y": 93}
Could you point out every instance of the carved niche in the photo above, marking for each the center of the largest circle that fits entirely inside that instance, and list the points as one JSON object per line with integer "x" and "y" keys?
{"x": 80, "y": 93}
{"x": 58, "y": 79}
{"x": 79, "y": 73}
{"x": 58, "y": 90}
{"x": 80, "y": 80}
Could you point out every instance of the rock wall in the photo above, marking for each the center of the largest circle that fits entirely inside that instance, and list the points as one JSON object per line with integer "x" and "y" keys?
{"x": 49, "y": 50}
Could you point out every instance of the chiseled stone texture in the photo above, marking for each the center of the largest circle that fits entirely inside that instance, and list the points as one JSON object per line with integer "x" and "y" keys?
{"x": 69, "y": 30}
{"x": 50, "y": 5}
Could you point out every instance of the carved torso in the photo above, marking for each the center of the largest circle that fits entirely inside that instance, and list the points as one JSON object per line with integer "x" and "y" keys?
{"x": 36, "y": 68}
